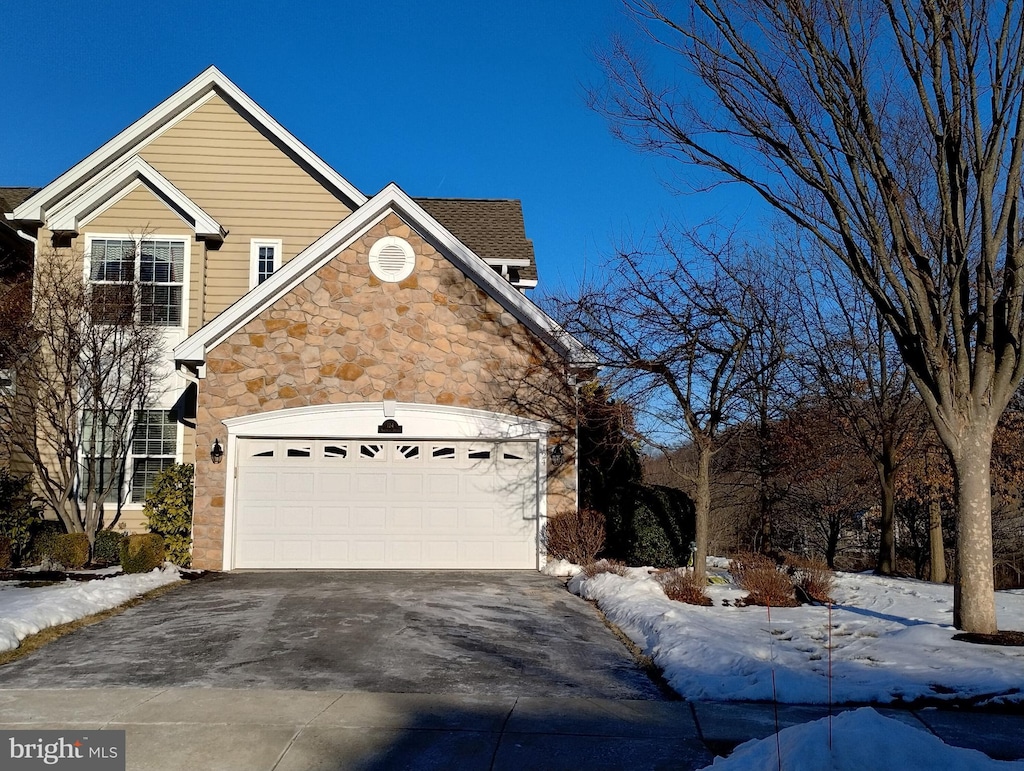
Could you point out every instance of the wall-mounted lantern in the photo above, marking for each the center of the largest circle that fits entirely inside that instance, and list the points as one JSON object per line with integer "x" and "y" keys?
{"x": 216, "y": 452}
{"x": 557, "y": 456}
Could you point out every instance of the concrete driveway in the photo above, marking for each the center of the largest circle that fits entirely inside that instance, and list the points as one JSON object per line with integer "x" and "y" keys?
{"x": 514, "y": 634}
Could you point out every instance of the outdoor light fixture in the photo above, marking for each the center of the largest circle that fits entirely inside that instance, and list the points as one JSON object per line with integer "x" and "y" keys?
{"x": 557, "y": 455}
{"x": 216, "y": 452}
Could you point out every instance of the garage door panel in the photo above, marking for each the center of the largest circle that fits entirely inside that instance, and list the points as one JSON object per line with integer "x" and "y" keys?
{"x": 386, "y": 503}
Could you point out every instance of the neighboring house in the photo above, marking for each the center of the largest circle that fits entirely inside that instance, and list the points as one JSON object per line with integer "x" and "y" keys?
{"x": 383, "y": 392}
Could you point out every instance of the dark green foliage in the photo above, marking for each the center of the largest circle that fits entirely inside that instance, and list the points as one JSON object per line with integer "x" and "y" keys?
{"x": 71, "y": 550}
{"x": 169, "y": 512}
{"x": 107, "y": 548}
{"x": 18, "y": 514}
{"x": 650, "y": 525}
{"x": 6, "y": 552}
{"x": 141, "y": 553}
{"x": 44, "y": 541}
{"x": 608, "y": 459}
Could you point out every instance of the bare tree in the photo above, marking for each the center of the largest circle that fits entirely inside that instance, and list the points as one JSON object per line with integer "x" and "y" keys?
{"x": 893, "y": 132}
{"x": 850, "y": 360}
{"x": 84, "y": 364}
{"x": 674, "y": 332}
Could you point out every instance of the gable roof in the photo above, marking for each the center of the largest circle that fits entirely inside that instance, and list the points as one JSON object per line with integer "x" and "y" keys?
{"x": 13, "y": 196}
{"x": 127, "y": 143}
{"x": 492, "y": 227}
{"x": 124, "y": 178}
{"x": 194, "y": 349}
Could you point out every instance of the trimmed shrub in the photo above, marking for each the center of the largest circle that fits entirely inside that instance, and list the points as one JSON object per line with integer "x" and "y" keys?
{"x": 650, "y": 525}
{"x": 71, "y": 550}
{"x": 44, "y": 541}
{"x": 168, "y": 511}
{"x": 576, "y": 536}
{"x": 682, "y": 585}
{"x": 107, "y": 547}
{"x": 19, "y": 516}
{"x": 764, "y": 582}
{"x": 6, "y": 552}
{"x": 605, "y": 566}
{"x": 813, "y": 579}
{"x": 141, "y": 553}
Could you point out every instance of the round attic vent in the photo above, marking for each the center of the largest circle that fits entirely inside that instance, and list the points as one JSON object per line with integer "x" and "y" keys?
{"x": 392, "y": 259}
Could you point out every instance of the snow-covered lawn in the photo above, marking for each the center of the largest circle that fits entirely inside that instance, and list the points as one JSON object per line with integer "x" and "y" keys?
{"x": 25, "y": 611}
{"x": 860, "y": 740}
{"x": 891, "y": 640}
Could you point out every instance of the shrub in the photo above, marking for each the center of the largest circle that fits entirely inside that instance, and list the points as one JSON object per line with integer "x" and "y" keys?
{"x": 107, "y": 547}
{"x": 764, "y": 582}
{"x": 44, "y": 541}
{"x": 650, "y": 525}
{"x": 141, "y": 553}
{"x": 576, "y": 536}
{"x": 813, "y": 578}
{"x": 605, "y": 566}
{"x": 19, "y": 516}
{"x": 6, "y": 552}
{"x": 71, "y": 550}
{"x": 682, "y": 585}
{"x": 168, "y": 511}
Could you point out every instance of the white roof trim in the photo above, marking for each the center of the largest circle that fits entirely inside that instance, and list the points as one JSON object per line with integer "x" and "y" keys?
{"x": 99, "y": 196}
{"x": 161, "y": 117}
{"x": 391, "y": 198}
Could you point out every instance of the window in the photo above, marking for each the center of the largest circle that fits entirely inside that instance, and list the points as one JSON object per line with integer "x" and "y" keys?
{"x": 99, "y": 432}
{"x": 145, "y": 278}
{"x": 154, "y": 448}
{"x": 264, "y": 259}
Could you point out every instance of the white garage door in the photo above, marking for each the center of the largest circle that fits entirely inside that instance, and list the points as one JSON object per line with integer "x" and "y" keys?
{"x": 375, "y": 503}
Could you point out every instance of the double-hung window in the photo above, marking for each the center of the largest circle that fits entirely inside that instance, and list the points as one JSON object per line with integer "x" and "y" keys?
{"x": 101, "y": 469}
{"x": 144, "y": 279}
{"x": 154, "y": 448}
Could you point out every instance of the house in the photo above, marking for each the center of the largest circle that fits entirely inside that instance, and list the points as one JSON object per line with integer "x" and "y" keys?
{"x": 361, "y": 382}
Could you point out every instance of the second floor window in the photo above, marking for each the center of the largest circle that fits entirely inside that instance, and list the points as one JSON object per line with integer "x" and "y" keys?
{"x": 264, "y": 259}
{"x": 144, "y": 278}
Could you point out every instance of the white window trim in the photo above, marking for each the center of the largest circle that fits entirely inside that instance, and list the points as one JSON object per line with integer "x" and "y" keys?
{"x": 188, "y": 239}
{"x": 254, "y": 257}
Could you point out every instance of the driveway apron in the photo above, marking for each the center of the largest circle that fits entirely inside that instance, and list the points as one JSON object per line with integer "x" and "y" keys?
{"x": 508, "y": 633}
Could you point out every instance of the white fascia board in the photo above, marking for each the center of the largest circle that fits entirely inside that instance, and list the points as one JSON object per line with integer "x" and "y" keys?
{"x": 161, "y": 117}
{"x": 511, "y": 262}
{"x": 391, "y": 198}
{"x": 66, "y": 219}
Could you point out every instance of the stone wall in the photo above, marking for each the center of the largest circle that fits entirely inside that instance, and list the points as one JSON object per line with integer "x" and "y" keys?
{"x": 343, "y": 336}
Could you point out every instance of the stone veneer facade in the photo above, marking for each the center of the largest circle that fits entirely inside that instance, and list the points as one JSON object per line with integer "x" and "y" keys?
{"x": 343, "y": 336}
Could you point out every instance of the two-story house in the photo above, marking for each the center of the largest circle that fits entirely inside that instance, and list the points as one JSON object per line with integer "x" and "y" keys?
{"x": 361, "y": 382}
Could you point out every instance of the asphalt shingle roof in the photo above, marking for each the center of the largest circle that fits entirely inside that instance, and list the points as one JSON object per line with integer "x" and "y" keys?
{"x": 492, "y": 227}
{"x": 11, "y": 197}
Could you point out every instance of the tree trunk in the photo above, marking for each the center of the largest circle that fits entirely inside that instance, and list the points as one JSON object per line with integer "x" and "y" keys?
{"x": 702, "y": 509}
{"x": 974, "y": 607}
{"x": 936, "y": 548}
{"x": 887, "y": 531}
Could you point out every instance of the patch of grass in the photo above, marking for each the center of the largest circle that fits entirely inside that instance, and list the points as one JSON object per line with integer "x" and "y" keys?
{"x": 46, "y": 636}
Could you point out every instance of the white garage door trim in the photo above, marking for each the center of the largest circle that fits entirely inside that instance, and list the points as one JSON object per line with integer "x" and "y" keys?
{"x": 419, "y": 422}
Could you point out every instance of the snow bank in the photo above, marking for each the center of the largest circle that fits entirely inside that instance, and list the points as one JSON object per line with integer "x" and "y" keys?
{"x": 891, "y": 640}
{"x": 560, "y": 568}
{"x": 862, "y": 740}
{"x": 25, "y": 611}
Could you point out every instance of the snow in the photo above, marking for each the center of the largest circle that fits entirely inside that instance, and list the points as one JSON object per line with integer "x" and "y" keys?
{"x": 25, "y": 611}
{"x": 560, "y": 568}
{"x": 891, "y": 641}
{"x": 861, "y": 740}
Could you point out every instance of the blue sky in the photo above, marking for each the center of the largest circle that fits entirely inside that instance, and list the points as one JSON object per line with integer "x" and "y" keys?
{"x": 455, "y": 98}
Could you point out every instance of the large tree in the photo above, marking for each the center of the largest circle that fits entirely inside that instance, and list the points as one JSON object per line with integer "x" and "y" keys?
{"x": 674, "y": 329}
{"x": 85, "y": 362}
{"x": 893, "y": 132}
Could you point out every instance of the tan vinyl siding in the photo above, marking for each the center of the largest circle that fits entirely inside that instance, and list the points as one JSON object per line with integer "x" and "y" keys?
{"x": 249, "y": 185}
{"x": 138, "y": 214}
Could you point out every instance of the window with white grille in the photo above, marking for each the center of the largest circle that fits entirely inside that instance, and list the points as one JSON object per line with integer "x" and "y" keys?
{"x": 141, "y": 279}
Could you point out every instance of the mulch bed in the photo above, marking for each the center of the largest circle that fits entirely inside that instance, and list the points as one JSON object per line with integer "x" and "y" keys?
{"x": 1010, "y": 638}
{"x": 40, "y": 577}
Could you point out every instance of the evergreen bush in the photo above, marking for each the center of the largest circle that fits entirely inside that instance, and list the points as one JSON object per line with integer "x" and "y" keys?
{"x": 44, "y": 541}
{"x": 142, "y": 552}
{"x": 650, "y": 525}
{"x": 107, "y": 547}
{"x": 19, "y": 516}
{"x": 71, "y": 550}
{"x": 168, "y": 511}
